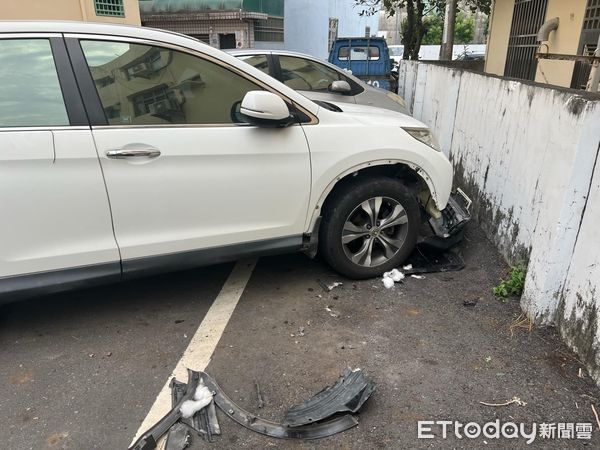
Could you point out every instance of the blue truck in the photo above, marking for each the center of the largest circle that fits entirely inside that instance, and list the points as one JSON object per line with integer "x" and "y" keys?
{"x": 368, "y": 58}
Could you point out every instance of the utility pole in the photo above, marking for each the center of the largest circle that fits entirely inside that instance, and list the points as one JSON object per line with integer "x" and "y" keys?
{"x": 448, "y": 35}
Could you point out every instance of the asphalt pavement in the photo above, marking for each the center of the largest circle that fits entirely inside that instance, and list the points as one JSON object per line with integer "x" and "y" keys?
{"x": 81, "y": 370}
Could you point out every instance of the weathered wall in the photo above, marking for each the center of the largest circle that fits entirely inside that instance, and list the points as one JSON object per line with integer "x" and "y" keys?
{"x": 564, "y": 40}
{"x": 526, "y": 154}
{"x": 65, "y": 10}
{"x": 497, "y": 46}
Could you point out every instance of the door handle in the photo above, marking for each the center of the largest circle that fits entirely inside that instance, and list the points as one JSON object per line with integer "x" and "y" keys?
{"x": 121, "y": 153}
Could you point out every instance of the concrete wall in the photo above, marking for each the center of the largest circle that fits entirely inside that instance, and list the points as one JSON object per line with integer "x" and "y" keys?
{"x": 564, "y": 40}
{"x": 306, "y": 25}
{"x": 527, "y": 155}
{"x": 65, "y": 10}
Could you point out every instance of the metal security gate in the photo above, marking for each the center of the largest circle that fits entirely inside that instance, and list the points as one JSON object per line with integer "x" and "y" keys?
{"x": 587, "y": 44}
{"x": 528, "y": 17}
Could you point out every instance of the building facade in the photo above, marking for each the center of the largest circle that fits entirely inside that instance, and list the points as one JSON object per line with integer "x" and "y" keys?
{"x": 512, "y": 43}
{"x": 115, "y": 11}
{"x": 224, "y": 24}
{"x": 311, "y": 25}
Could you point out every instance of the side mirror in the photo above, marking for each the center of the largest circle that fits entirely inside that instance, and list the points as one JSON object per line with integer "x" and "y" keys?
{"x": 265, "y": 109}
{"x": 340, "y": 86}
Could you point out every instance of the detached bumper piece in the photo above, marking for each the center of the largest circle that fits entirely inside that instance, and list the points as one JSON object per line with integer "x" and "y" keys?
{"x": 306, "y": 421}
{"x": 310, "y": 420}
{"x": 348, "y": 394}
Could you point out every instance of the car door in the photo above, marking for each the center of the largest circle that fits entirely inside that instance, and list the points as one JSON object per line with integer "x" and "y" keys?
{"x": 56, "y": 225}
{"x": 311, "y": 78}
{"x": 187, "y": 183}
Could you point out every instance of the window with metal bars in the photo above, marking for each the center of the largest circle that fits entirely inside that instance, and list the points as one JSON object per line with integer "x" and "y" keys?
{"x": 591, "y": 21}
{"x": 109, "y": 8}
{"x": 587, "y": 44}
{"x": 528, "y": 17}
{"x": 270, "y": 30}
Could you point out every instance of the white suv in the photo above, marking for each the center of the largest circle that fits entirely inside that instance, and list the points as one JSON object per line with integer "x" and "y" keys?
{"x": 126, "y": 151}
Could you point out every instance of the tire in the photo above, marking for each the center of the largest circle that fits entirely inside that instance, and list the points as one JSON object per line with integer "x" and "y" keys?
{"x": 350, "y": 216}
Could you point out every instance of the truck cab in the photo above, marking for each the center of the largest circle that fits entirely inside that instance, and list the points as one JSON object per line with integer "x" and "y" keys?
{"x": 368, "y": 58}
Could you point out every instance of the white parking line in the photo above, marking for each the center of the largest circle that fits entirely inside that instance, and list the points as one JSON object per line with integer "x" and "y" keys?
{"x": 202, "y": 345}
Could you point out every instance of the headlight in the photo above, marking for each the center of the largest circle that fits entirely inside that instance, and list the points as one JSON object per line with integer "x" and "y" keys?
{"x": 397, "y": 99}
{"x": 425, "y": 136}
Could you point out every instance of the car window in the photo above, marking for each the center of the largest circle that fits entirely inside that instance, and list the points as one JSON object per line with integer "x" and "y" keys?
{"x": 148, "y": 85}
{"x": 259, "y": 61}
{"x": 306, "y": 75}
{"x": 30, "y": 93}
{"x": 358, "y": 53}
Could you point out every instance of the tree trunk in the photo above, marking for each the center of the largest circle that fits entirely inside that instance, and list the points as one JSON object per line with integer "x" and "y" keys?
{"x": 448, "y": 35}
{"x": 410, "y": 30}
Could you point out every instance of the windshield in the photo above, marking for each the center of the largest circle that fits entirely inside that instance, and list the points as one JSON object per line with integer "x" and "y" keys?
{"x": 358, "y": 53}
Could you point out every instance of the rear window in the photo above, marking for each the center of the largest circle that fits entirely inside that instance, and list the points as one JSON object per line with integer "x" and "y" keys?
{"x": 358, "y": 53}
{"x": 30, "y": 93}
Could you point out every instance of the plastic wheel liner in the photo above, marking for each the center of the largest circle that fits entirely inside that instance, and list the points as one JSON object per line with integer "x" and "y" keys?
{"x": 347, "y": 395}
{"x": 273, "y": 429}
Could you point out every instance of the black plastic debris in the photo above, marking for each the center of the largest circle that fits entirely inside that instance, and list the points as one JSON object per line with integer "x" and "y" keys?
{"x": 348, "y": 394}
{"x": 311, "y": 420}
{"x": 204, "y": 423}
{"x": 428, "y": 259}
{"x": 148, "y": 440}
{"x": 179, "y": 437}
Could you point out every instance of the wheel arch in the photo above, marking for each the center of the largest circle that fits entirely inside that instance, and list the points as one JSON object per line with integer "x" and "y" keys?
{"x": 391, "y": 168}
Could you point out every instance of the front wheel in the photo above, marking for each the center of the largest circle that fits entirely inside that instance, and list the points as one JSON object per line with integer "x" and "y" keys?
{"x": 369, "y": 227}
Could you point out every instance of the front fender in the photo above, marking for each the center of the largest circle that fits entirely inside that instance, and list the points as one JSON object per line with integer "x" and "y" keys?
{"x": 439, "y": 184}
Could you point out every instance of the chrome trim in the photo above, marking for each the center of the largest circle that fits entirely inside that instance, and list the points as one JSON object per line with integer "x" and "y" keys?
{"x": 173, "y": 125}
{"x": 28, "y": 35}
{"x": 124, "y": 153}
{"x": 45, "y": 128}
{"x": 99, "y": 37}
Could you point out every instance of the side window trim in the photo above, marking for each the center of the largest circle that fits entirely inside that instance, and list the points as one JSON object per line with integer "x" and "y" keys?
{"x": 89, "y": 94}
{"x": 68, "y": 84}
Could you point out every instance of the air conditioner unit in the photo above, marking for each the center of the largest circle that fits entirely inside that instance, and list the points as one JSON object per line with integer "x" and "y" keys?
{"x": 143, "y": 70}
{"x": 163, "y": 107}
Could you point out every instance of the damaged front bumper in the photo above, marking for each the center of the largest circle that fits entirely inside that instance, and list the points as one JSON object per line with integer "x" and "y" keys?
{"x": 447, "y": 225}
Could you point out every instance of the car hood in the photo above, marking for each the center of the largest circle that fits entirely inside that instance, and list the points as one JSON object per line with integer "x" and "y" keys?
{"x": 372, "y": 115}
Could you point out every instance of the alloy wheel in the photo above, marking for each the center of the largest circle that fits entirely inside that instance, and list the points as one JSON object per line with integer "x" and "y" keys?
{"x": 375, "y": 231}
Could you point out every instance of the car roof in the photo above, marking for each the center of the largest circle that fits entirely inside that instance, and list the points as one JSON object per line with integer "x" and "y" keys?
{"x": 10, "y": 27}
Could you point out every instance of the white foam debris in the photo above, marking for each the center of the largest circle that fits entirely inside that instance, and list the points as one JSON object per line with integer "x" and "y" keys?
{"x": 408, "y": 267}
{"x": 388, "y": 282}
{"x": 391, "y": 277}
{"x": 395, "y": 275}
{"x": 202, "y": 398}
{"x": 418, "y": 277}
